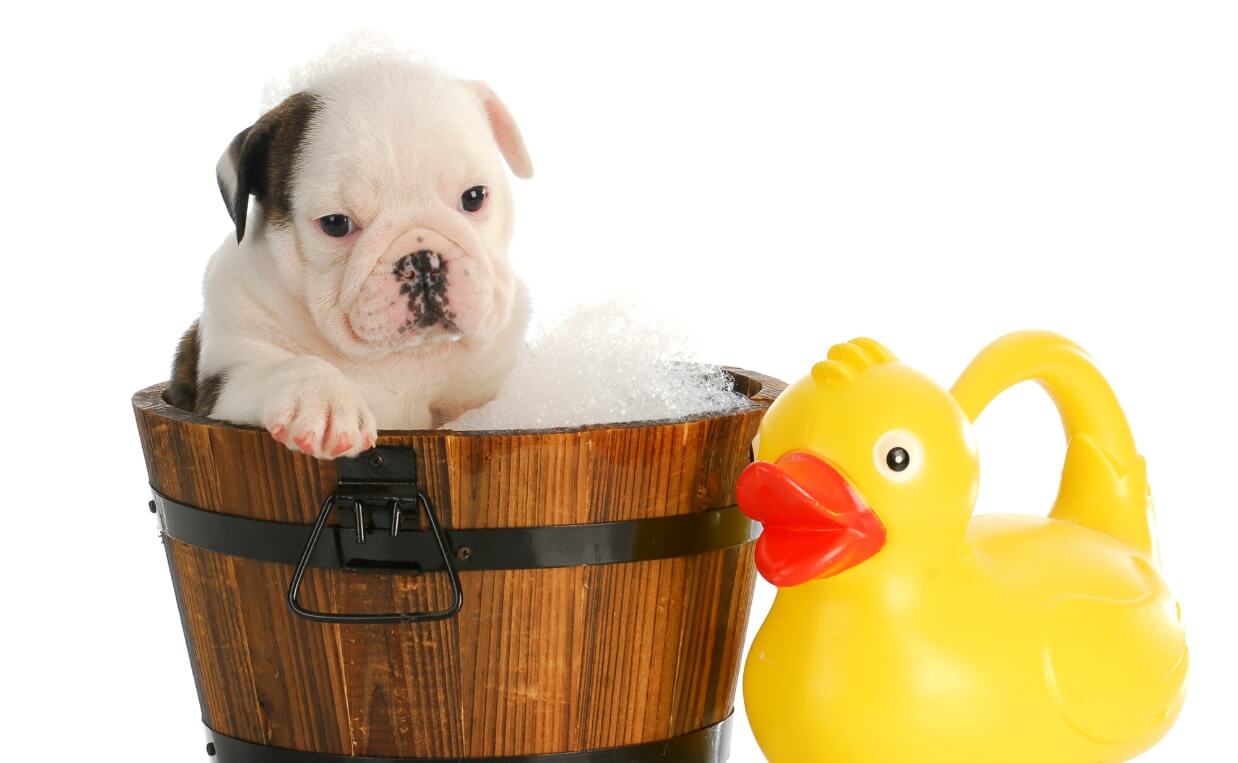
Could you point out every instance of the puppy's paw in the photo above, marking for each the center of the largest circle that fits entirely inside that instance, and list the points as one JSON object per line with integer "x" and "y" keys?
{"x": 323, "y": 415}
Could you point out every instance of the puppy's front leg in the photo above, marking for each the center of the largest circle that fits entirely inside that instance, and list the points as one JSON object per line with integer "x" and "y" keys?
{"x": 304, "y": 402}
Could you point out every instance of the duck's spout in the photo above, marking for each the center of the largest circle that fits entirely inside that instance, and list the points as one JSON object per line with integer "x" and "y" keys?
{"x": 1104, "y": 480}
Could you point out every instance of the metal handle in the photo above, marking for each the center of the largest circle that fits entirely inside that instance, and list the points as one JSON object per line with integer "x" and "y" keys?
{"x": 375, "y": 619}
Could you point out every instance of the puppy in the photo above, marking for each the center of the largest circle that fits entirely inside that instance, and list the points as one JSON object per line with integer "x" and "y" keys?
{"x": 368, "y": 286}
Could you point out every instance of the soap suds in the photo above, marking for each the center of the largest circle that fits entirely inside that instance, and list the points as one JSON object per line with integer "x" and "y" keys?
{"x": 600, "y": 365}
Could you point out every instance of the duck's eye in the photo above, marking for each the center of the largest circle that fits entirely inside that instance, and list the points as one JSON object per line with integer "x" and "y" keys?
{"x": 898, "y": 455}
{"x": 336, "y": 226}
{"x": 473, "y": 199}
{"x": 898, "y": 459}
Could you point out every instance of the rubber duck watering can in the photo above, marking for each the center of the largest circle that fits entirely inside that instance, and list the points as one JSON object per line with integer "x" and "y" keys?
{"x": 906, "y": 630}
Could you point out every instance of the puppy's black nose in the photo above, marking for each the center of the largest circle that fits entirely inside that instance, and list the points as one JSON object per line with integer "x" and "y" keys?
{"x": 422, "y": 262}
{"x": 424, "y": 277}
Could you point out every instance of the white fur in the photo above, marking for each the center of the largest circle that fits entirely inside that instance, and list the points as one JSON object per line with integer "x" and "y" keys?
{"x": 394, "y": 146}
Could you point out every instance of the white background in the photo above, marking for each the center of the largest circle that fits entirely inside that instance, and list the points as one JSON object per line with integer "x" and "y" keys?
{"x": 777, "y": 179}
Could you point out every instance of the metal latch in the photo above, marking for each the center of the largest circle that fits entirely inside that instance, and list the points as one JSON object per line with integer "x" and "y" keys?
{"x": 376, "y": 490}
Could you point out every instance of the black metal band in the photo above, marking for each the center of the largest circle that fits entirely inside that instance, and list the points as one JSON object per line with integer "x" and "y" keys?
{"x": 473, "y": 549}
{"x": 711, "y": 744}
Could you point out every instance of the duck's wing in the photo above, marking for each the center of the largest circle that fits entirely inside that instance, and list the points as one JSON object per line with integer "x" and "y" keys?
{"x": 1117, "y": 668}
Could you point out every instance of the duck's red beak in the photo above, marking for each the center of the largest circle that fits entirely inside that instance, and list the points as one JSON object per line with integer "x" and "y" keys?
{"x": 815, "y": 525}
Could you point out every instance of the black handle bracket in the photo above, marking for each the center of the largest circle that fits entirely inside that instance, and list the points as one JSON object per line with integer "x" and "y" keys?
{"x": 376, "y": 489}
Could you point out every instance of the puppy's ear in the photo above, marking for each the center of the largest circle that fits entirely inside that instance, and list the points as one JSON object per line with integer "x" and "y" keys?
{"x": 506, "y": 133}
{"x": 260, "y": 161}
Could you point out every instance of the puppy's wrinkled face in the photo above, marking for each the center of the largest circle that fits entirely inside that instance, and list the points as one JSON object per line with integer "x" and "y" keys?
{"x": 398, "y": 210}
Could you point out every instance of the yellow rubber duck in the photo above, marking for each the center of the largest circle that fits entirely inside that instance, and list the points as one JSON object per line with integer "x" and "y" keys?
{"x": 907, "y": 631}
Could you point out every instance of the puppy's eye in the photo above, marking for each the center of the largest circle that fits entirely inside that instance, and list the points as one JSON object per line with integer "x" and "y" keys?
{"x": 336, "y": 226}
{"x": 473, "y": 198}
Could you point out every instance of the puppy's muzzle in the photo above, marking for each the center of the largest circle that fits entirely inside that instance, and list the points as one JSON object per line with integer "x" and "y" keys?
{"x": 423, "y": 280}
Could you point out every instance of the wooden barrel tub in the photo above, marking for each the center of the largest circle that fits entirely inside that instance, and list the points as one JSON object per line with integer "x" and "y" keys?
{"x": 581, "y": 598}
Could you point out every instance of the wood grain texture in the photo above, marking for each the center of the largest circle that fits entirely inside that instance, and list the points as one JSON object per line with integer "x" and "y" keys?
{"x": 537, "y": 661}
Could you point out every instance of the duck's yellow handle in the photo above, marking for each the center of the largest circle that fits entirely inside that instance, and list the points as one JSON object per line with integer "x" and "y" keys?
{"x": 1104, "y": 481}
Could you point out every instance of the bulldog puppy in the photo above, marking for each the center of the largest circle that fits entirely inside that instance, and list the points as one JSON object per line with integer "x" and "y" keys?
{"x": 368, "y": 286}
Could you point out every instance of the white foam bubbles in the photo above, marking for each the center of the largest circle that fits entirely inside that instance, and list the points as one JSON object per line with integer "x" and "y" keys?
{"x": 601, "y": 365}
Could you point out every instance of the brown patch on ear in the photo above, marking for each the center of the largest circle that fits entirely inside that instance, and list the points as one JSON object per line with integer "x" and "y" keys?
{"x": 261, "y": 161}
{"x": 183, "y": 388}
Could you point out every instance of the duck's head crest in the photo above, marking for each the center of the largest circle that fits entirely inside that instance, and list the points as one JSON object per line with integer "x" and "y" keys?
{"x": 848, "y": 360}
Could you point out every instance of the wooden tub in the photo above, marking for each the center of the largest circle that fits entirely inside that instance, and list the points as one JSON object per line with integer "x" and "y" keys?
{"x": 588, "y": 603}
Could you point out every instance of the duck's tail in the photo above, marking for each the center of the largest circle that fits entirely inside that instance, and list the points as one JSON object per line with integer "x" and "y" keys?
{"x": 1104, "y": 481}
